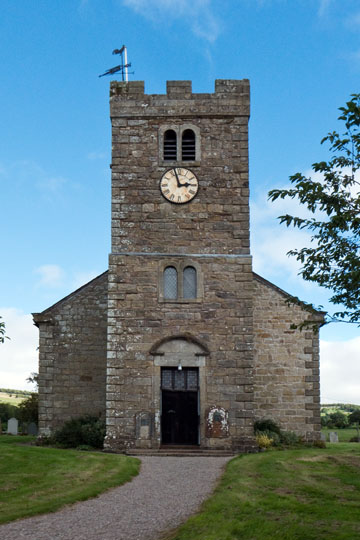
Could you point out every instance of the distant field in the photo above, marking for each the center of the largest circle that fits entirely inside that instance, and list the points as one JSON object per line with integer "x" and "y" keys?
{"x": 344, "y": 434}
{"x": 13, "y": 399}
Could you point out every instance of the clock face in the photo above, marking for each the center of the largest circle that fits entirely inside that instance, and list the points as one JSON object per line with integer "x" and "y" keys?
{"x": 179, "y": 185}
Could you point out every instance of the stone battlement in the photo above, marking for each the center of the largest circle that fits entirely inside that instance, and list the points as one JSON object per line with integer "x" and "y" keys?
{"x": 231, "y": 98}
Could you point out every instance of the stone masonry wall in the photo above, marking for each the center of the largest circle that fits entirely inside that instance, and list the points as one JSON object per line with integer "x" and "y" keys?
{"x": 217, "y": 220}
{"x": 286, "y": 381}
{"x": 222, "y": 322}
{"x": 72, "y": 356}
{"x": 148, "y": 231}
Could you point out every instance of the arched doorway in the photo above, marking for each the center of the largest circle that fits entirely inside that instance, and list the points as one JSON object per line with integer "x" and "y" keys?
{"x": 180, "y": 405}
{"x": 181, "y": 364}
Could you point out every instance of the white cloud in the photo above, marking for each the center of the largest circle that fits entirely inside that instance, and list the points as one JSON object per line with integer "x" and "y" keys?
{"x": 18, "y": 355}
{"x": 51, "y": 185}
{"x": 339, "y": 360}
{"x": 25, "y": 174}
{"x": 198, "y": 13}
{"x": 340, "y": 371}
{"x": 353, "y": 21}
{"x": 96, "y": 155}
{"x": 271, "y": 241}
{"x": 51, "y": 275}
{"x": 324, "y": 6}
{"x": 81, "y": 278}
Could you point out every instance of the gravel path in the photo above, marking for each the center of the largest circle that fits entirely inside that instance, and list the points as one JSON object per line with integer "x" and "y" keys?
{"x": 163, "y": 495}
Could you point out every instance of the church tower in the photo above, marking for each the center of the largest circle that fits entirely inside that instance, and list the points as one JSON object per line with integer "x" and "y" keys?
{"x": 180, "y": 293}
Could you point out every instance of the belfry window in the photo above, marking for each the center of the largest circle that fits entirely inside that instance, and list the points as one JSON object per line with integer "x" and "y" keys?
{"x": 170, "y": 145}
{"x": 188, "y": 145}
{"x": 189, "y": 282}
{"x": 179, "y": 143}
{"x": 170, "y": 283}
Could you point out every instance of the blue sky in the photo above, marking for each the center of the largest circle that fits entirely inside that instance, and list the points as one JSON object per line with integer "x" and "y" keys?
{"x": 303, "y": 61}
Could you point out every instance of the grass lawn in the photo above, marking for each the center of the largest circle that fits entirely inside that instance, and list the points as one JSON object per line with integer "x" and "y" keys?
{"x": 35, "y": 480}
{"x": 306, "y": 494}
{"x": 344, "y": 434}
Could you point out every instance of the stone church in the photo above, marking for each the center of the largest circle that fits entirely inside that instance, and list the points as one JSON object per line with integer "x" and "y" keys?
{"x": 179, "y": 342}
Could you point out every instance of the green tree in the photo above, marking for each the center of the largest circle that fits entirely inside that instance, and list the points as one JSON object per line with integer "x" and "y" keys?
{"x": 3, "y": 335}
{"x": 338, "y": 419}
{"x": 33, "y": 378}
{"x": 333, "y": 259}
{"x": 354, "y": 418}
{"x": 28, "y": 410}
{"x": 7, "y": 411}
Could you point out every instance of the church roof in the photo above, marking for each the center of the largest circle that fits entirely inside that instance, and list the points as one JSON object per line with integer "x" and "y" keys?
{"x": 43, "y": 315}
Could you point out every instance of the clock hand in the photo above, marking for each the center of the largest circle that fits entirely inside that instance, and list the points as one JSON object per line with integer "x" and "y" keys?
{"x": 186, "y": 184}
{"x": 177, "y": 179}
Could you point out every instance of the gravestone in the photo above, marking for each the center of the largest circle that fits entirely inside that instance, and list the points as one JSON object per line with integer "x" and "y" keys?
{"x": 12, "y": 426}
{"x": 32, "y": 429}
{"x": 323, "y": 437}
{"x": 333, "y": 436}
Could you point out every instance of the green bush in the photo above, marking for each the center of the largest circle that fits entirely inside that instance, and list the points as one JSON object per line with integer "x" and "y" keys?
{"x": 319, "y": 443}
{"x": 275, "y": 437}
{"x": 84, "y": 431}
{"x": 269, "y": 428}
{"x": 266, "y": 425}
{"x": 45, "y": 440}
{"x": 263, "y": 441}
{"x": 289, "y": 438}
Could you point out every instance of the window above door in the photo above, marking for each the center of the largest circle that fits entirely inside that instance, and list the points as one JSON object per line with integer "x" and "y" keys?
{"x": 180, "y": 281}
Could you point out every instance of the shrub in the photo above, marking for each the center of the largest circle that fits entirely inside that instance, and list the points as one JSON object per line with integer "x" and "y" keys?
{"x": 87, "y": 430}
{"x": 355, "y": 439}
{"x": 266, "y": 425}
{"x": 275, "y": 437}
{"x": 289, "y": 438}
{"x": 45, "y": 440}
{"x": 263, "y": 440}
{"x": 319, "y": 443}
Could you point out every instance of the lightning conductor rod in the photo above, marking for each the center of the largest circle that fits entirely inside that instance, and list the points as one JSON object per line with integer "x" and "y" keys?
{"x": 126, "y": 63}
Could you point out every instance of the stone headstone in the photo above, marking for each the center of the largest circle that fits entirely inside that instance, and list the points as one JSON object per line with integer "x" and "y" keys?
{"x": 32, "y": 429}
{"x": 323, "y": 437}
{"x": 333, "y": 436}
{"x": 12, "y": 426}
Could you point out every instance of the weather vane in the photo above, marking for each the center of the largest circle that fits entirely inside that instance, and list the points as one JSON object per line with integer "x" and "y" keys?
{"x": 123, "y": 67}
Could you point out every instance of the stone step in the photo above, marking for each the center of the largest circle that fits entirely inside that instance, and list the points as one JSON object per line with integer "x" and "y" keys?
{"x": 179, "y": 452}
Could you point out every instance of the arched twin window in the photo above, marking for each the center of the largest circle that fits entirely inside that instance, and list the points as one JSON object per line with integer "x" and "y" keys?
{"x": 180, "y": 284}
{"x": 170, "y": 283}
{"x": 189, "y": 282}
{"x": 188, "y": 145}
{"x": 187, "y": 148}
{"x": 170, "y": 145}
